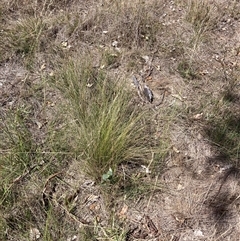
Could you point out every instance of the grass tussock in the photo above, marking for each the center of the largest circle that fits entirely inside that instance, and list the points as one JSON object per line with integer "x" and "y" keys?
{"x": 201, "y": 15}
{"x": 109, "y": 130}
{"x": 23, "y": 38}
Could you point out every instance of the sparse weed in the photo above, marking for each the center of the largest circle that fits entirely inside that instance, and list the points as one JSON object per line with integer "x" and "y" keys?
{"x": 113, "y": 232}
{"x": 133, "y": 27}
{"x": 140, "y": 185}
{"x": 187, "y": 70}
{"x": 141, "y": 30}
{"x": 110, "y": 59}
{"x": 223, "y": 130}
{"x": 23, "y": 160}
{"x": 88, "y": 234}
{"x": 231, "y": 79}
{"x": 223, "y": 127}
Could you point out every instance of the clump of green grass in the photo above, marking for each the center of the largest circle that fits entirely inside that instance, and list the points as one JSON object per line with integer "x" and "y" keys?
{"x": 23, "y": 37}
{"x": 18, "y": 153}
{"x": 201, "y": 15}
{"x": 17, "y": 148}
{"x": 203, "y": 18}
{"x": 108, "y": 129}
{"x": 24, "y": 164}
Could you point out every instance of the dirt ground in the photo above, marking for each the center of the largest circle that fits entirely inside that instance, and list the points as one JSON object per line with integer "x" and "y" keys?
{"x": 195, "y": 194}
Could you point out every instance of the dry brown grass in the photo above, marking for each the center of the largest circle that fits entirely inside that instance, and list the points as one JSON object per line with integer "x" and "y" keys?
{"x": 69, "y": 114}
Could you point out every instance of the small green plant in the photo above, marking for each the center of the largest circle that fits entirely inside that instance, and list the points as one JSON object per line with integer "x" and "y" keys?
{"x": 107, "y": 176}
{"x": 109, "y": 59}
{"x": 186, "y": 70}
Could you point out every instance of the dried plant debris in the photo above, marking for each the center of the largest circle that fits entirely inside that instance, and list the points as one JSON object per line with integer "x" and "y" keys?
{"x": 144, "y": 92}
{"x": 144, "y": 230}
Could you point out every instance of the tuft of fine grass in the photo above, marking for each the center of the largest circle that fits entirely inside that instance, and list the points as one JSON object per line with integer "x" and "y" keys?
{"x": 24, "y": 164}
{"x": 17, "y": 150}
{"x": 23, "y": 38}
{"x": 108, "y": 129}
{"x": 200, "y": 14}
{"x": 203, "y": 18}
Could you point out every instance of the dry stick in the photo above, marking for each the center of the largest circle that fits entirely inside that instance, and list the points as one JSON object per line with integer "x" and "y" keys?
{"x": 44, "y": 195}
{"x": 82, "y": 221}
{"x": 155, "y": 184}
{"x": 51, "y": 177}
{"x": 229, "y": 172}
{"x": 161, "y": 101}
{"x": 72, "y": 216}
{"x": 151, "y": 161}
{"x": 149, "y": 74}
{"x": 124, "y": 174}
{"x": 206, "y": 195}
{"x": 139, "y": 90}
{"x": 224, "y": 233}
{"x": 151, "y": 226}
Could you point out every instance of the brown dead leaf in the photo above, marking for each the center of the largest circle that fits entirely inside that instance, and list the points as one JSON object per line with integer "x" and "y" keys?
{"x": 64, "y": 44}
{"x": 39, "y": 124}
{"x": 151, "y": 226}
{"x": 180, "y": 187}
{"x": 149, "y": 79}
{"x": 123, "y": 211}
{"x": 179, "y": 217}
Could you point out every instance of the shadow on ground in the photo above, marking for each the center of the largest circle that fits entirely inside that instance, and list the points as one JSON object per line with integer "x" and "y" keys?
{"x": 223, "y": 133}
